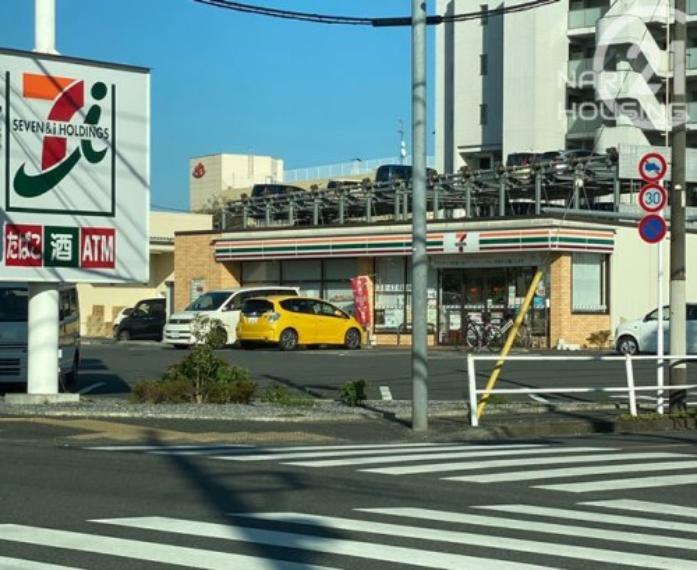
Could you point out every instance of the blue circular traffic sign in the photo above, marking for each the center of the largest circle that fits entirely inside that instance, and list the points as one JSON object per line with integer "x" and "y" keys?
{"x": 652, "y": 167}
{"x": 652, "y": 228}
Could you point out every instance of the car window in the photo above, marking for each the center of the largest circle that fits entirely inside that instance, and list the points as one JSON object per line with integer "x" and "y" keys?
{"x": 255, "y": 307}
{"x": 236, "y": 303}
{"x": 327, "y": 310}
{"x": 209, "y": 301}
{"x": 653, "y": 315}
{"x": 13, "y": 305}
{"x": 296, "y": 305}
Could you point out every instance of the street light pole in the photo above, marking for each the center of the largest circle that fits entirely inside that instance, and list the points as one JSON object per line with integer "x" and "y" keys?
{"x": 419, "y": 275}
{"x": 678, "y": 317}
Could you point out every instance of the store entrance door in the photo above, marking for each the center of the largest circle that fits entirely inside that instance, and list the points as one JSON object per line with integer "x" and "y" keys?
{"x": 480, "y": 294}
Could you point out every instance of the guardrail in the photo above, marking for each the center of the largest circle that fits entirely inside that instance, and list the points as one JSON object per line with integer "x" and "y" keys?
{"x": 631, "y": 388}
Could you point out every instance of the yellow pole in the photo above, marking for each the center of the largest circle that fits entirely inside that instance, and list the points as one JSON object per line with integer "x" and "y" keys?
{"x": 509, "y": 341}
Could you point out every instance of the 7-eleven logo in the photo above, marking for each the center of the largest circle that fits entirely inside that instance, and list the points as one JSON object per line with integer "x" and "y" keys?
{"x": 63, "y": 142}
{"x": 460, "y": 242}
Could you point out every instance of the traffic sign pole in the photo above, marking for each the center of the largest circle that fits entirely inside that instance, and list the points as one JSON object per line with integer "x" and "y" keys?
{"x": 652, "y": 229}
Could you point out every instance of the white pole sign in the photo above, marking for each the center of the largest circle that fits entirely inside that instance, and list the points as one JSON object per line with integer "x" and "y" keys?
{"x": 74, "y": 170}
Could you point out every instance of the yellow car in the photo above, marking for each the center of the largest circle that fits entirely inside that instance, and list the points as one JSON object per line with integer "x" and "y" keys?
{"x": 291, "y": 321}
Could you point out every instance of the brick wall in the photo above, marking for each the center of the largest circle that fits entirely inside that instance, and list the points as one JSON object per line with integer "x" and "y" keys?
{"x": 194, "y": 259}
{"x": 572, "y": 328}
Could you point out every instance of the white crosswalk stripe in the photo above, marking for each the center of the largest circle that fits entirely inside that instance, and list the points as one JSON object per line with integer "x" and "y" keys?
{"x": 646, "y": 507}
{"x": 629, "y": 483}
{"x": 540, "y": 537}
{"x": 140, "y": 550}
{"x": 329, "y": 545}
{"x": 578, "y": 471}
{"x": 541, "y": 465}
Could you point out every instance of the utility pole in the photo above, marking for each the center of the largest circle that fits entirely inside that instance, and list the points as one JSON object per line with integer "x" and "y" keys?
{"x": 678, "y": 317}
{"x": 402, "y": 143}
{"x": 419, "y": 257}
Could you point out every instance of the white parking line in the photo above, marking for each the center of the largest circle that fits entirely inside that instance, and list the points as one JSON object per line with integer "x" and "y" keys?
{"x": 385, "y": 392}
{"x": 91, "y": 388}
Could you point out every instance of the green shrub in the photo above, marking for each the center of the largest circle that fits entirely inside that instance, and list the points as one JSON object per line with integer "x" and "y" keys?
{"x": 599, "y": 339}
{"x": 201, "y": 377}
{"x": 279, "y": 395}
{"x": 352, "y": 393}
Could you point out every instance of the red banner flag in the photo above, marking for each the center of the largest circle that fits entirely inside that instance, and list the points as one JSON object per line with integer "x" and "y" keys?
{"x": 361, "y": 300}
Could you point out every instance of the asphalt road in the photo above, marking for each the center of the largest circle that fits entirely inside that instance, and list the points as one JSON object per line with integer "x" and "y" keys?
{"x": 111, "y": 369}
{"x": 595, "y": 502}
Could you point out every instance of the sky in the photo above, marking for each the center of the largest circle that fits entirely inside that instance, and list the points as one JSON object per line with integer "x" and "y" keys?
{"x": 223, "y": 81}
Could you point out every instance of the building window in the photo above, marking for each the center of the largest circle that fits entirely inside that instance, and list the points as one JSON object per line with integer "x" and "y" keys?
{"x": 485, "y": 17}
{"x": 483, "y": 114}
{"x": 483, "y": 64}
{"x": 328, "y": 279}
{"x": 589, "y": 283}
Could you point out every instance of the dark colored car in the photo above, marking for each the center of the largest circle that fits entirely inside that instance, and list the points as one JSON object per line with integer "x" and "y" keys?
{"x": 262, "y": 190}
{"x": 386, "y": 174}
{"x": 394, "y": 172}
{"x": 146, "y": 321}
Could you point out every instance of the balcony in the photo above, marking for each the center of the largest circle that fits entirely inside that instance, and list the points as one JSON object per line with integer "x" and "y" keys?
{"x": 691, "y": 58}
{"x": 692, "y": 113}
{"x": 579, "y": 127}
{"x": 580, "y": 72}
{"x": 586, "y": 18}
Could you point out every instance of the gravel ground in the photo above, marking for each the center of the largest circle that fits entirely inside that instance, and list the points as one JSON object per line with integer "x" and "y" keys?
{"x": 319, "y": 410}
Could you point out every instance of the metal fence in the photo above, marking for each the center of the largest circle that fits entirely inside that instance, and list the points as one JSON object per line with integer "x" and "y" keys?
{"x": 631, "y": 389}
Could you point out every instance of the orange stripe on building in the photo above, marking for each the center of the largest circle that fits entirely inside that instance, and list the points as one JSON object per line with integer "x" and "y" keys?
{"x": 43, "y": 86}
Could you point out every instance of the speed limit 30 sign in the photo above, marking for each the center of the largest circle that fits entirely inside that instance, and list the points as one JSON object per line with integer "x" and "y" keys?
{"x": 652, "y": 198}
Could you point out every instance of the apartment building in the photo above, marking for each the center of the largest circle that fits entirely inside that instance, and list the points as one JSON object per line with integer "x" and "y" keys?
{"x": 573, "y": 74}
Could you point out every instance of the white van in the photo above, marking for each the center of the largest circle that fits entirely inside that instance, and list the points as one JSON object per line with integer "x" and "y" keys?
{"x": 223, "y": 305}
{"x": 14, "y": 299}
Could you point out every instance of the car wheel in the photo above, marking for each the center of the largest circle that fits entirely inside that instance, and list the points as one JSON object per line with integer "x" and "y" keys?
{"x": 352, "y": 340}
{"x": 124, "y": 336}
{"x": 288, "y": 340}
{"x": 627, "y": 345}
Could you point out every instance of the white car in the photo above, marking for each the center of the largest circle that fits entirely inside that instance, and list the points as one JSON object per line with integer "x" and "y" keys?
{"x": 640, "y": 336}
{"x": 223, "y": 305}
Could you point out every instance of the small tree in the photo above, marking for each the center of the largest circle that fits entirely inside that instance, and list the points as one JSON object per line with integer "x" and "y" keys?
{"x": 202, "y": 376}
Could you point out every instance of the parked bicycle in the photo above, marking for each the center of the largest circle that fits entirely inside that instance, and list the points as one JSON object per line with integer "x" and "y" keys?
{"x": 493, "y": 336}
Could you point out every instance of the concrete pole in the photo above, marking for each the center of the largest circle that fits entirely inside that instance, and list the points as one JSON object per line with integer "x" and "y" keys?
{"x": 678, "y": 317}
{"x": 42, "y": 320}
{"x": 538, "y": 193}
{"x": 419, "y": 275}
{"x": 42, "y": 339}
{"x": 45, "y": 26}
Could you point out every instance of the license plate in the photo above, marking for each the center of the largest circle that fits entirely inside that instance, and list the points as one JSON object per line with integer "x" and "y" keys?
{"x": 251, "y": 320}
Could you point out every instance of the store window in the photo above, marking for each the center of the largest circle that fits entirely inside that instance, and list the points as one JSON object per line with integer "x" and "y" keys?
{"x": 589, "y": 283}
{"x": 328, "y": 279}
{"x": 390, "y": 277}
{"x": 337, "y": 282}
{"x": 305, "y": 273}
{"x": 256, "y": 272}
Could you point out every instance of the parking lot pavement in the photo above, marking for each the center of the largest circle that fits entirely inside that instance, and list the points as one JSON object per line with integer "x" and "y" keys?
{"x": 111, "y": 369}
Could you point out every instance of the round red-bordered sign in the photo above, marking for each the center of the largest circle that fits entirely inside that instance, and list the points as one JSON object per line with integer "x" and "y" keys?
{"x": 653, "y": 197}
{"x": 652, "y": 228}
{"x": 652, "y": 167}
